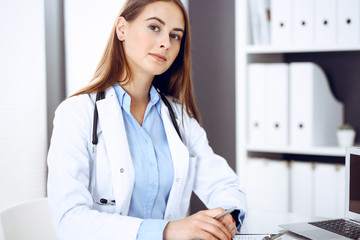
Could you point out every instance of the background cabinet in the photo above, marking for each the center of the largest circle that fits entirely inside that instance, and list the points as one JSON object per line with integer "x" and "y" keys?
{"x": 314, "y": 174}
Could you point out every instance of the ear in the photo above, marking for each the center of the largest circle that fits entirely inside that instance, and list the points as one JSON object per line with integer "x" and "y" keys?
{"x": 121, "y": 25}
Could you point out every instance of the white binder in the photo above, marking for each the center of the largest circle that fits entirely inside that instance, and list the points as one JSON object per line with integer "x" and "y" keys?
{"x": 325, "y": 22}
{"x": 301, "y": 188}
{"x": 260, "y": 24}
{"x": 329, "y": 184}
{"x": 267, "y": 184}
{"x": 315, "y": 114}
{"x": 277, "y": 104}
{"x": 255, "y": 23}
{"x": 256, "y": 106}
{"x": 281, "y": 22}
{"x": 348, "y": 21}
{"x": 304, "y": 19}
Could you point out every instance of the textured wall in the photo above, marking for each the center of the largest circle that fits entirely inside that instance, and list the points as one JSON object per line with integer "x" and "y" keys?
{"x": 213, "y": 51}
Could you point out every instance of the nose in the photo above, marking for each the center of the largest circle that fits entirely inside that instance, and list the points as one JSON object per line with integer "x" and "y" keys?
{"x": 165, "y": 41}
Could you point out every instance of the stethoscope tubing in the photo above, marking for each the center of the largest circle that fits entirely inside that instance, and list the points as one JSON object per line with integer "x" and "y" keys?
{"x": 99, "y": 96}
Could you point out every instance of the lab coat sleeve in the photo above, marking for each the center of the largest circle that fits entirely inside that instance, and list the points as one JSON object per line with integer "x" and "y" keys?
{"x": 215, "y": 183}
{"x": 68, "y": 180}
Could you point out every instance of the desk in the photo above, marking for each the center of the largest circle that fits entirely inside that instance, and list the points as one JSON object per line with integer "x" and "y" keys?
{"x": 260, "y": 221}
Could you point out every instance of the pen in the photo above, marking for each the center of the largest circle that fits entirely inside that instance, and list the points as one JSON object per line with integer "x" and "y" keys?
{"x": 220, "y": 215}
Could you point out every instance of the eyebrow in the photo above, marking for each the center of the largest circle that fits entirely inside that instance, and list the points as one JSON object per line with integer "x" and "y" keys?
{"x": 163, "y": 23}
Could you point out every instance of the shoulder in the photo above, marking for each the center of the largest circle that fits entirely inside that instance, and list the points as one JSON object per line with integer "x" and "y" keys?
{"x": 76, "y": 110}
{"x": 76, "y": 103}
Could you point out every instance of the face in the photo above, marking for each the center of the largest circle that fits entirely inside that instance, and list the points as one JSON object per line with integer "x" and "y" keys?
{"x": 152, "y": 41}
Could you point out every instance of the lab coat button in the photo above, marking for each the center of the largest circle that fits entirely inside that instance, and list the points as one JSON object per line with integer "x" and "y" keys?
{"x": 178, "y": 179}
{"x": 121, "y": 170}
{"x": 169, "y": 216}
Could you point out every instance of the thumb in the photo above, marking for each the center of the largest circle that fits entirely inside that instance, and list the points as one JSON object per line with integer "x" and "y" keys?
{"x": 215, "y": 211}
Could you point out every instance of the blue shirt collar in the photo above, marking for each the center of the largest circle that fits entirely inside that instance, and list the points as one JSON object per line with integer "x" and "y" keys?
{"x": 125, "y": 99}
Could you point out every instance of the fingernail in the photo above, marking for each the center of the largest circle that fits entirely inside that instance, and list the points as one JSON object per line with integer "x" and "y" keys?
{"x": 233, "y": 220}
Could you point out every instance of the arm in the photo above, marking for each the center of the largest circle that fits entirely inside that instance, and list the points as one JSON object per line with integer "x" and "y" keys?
{"x": 70, "y": 201}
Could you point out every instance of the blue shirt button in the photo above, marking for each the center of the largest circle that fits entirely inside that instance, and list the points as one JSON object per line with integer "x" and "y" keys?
{"x": 153, "y": 186}
{"x": 147, "y": 205}
{"x": 146, "y": 140}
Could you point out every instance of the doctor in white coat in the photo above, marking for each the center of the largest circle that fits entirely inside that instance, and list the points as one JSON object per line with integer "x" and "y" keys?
{"x": 126, "y": 168}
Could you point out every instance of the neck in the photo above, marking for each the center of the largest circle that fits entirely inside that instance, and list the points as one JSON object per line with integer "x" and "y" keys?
{"x": 139, "y": 93}
{"x": 139, "y": 89}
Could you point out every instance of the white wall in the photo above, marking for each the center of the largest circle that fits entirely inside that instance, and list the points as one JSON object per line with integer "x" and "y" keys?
{"x": 22, "y": 101}
{"x": 87, "y": 27}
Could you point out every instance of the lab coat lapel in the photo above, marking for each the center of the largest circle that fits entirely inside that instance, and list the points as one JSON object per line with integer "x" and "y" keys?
{"x": 117, "y": 147}
{"x": 180, "y": 157}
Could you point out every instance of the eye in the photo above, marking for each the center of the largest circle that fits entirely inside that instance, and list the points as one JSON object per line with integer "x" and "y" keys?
{"x": 175, "y": 36}
{"x": 154, "y": 28}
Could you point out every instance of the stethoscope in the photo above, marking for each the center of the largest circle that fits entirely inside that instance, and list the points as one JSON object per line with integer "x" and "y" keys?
{"x": 99, "y": 96}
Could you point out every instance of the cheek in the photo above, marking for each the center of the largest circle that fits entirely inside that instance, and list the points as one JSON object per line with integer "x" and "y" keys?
{"x": 139, "y": 41}
{"x": 175, "y": 53}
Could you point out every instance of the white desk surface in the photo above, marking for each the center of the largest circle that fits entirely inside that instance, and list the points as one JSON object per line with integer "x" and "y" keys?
{"x": 266, "y": 222}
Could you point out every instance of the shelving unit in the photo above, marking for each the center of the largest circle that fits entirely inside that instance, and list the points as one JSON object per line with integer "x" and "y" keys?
{"x": 247, "y": 53}
{"x": 283, "y": 50}
{"x": 332, "y": 58}
{"x": 317, "y": 151}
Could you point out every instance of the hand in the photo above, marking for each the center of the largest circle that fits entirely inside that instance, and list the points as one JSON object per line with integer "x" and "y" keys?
{"x": 202, "y": 225}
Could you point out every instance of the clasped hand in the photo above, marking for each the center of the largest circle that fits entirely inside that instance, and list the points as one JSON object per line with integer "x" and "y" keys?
{"x": 202, "y": 225}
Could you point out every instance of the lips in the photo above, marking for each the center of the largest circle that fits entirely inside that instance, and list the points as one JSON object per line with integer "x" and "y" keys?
{"x": 158, "y": 57}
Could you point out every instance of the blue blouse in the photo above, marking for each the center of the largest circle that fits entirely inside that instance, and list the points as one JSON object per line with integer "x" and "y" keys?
{"x": 151, "y": 157}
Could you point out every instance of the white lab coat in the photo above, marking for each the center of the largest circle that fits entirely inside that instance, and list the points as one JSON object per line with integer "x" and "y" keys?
{"x": 70, "y": 159}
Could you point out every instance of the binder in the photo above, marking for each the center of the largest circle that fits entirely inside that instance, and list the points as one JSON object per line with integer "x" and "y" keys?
{"x": 256, "y": 107}
{"x": 325, "y": 22}
{"x": 281, "y": 22}
{"x": 304, "y": 20}
{"x": 315, "y": 114}
{"x": 301, "y": 188}
{"x": 327, "y": 190}
{"x": 348, "y": 21}
{"x": 267, "y": 184}
{"x": 263, "y": 8}
{"x": 260, "y": 22}
{"x": 255, "y": 23}
{"x": 277, "y": 104}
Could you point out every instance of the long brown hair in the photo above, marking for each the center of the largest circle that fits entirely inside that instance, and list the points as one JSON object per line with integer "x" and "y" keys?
{"x": 175, "y": 82}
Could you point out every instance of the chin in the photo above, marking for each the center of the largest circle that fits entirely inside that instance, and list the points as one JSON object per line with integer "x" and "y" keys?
{"x": 158, "y": 71}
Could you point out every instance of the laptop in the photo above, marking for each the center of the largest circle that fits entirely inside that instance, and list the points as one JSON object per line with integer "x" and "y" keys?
{"x": 348, "y": 227}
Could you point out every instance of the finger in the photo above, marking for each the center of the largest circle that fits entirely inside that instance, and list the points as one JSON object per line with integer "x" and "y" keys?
{"x": 230, "y": 224}
{"x": 213, "y": 212}
{"x": 206, "y": 235}
{"x": 215, "y": 231}
{"x": 222, "y": 228}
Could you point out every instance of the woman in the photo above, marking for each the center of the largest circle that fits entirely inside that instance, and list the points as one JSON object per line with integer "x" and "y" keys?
{"x": 133, "y": 177}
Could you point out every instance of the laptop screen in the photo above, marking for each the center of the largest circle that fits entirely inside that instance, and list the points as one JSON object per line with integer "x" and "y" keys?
{"x": 354, "y": 204}
{"x": 352, "y": 180}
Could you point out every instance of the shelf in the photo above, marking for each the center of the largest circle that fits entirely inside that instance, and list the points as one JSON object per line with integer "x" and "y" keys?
{"x": 332, "y": 151}
{"x": 267, "y": 49}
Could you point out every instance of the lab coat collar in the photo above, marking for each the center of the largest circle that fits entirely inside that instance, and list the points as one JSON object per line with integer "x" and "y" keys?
{"x": 122, "y": 169}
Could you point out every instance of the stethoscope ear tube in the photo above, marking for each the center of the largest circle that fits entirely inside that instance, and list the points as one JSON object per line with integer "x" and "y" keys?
{"x": 102, "y": 201}
{"x": 171, "y": 112}
{"x": 99, "y": 96}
